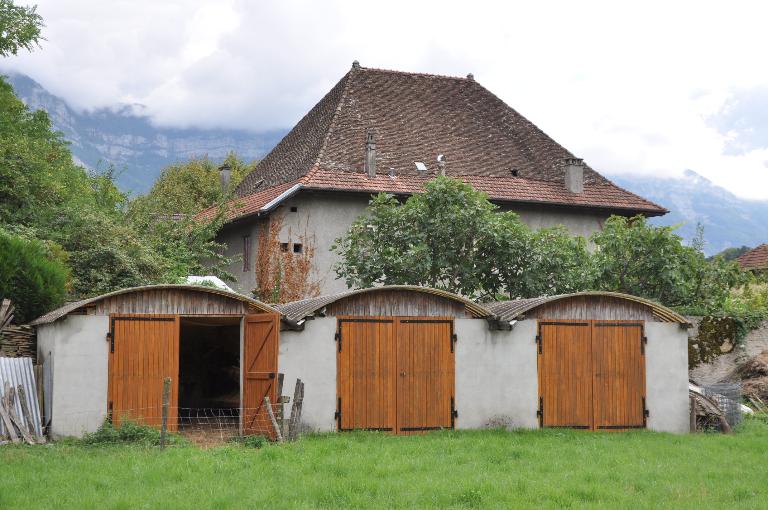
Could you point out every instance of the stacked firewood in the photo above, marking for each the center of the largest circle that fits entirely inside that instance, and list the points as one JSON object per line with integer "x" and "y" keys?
{"x": 15, "y": 341}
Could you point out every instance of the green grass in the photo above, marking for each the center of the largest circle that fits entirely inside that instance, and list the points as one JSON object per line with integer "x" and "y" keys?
{"x": 477, "y": 469}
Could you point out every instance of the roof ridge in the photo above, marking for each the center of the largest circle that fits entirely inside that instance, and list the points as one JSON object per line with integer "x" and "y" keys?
{"x": 411, "y": 73}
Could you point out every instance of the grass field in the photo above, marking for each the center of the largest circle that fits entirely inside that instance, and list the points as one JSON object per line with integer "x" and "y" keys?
{"x": 482, "y": 469}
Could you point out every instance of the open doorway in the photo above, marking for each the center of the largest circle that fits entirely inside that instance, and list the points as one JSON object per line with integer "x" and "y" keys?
{"x": 209, "y": 374}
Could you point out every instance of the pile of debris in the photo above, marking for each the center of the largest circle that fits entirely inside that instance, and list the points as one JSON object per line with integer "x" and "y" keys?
{"x": 15, "y": 341}
{"x": 754, "y": 377}
{"x": 17, "y": 418}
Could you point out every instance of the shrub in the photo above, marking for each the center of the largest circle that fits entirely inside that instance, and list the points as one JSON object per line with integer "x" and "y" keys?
{"x": 250, "y": 441}
{"x": 31, "y": 276}
{"x": 128, "y": 432}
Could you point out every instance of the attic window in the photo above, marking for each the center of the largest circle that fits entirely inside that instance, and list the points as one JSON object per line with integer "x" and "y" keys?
{"x": 421, "y": 167}
{"x": 514, "y": 172}
{"x": 294, "y": 208}
{"x": 283, "y": 246}
{"x": 298, "y": 248}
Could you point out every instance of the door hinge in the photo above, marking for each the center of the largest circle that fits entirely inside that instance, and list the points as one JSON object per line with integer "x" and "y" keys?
{"x": 454, "y": 339}
{"x": 111, "y": 340}
{"x": 337, "y": 414}
{"x": 646, "y": 413}
{"x": 538, "y": 342}
{"x": 109, "y": 411}
{"x": 540, "y": 412}
{"x": 454, "y": 412}
{"x": 643, "y": 342}
{"x": 338, "y": 339}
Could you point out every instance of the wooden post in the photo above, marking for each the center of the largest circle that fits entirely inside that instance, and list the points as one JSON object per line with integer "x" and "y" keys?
{"x": 21, "y": 394}
{"x": 298, "y": 398}
{"x": 693, "y": 414}
{"x": 166, "y": 403}
{"x": 278, "y": 434}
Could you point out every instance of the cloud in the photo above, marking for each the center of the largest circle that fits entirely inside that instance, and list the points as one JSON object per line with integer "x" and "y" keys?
{"x": 629, "y": 87}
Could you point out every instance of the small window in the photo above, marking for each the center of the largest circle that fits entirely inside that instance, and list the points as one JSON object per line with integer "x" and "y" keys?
{"x": 297, "y": 248}
{"x": 294, "y": 208}
{"x": 246, "y": 253}
{"x": 283, "y": 246}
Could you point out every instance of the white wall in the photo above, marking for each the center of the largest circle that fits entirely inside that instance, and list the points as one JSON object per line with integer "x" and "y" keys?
{"x": 310, "y": 355}
{"x": 80, "y": 353}
{"x": 496, "y": 375}
{"x": 666, "y": 377}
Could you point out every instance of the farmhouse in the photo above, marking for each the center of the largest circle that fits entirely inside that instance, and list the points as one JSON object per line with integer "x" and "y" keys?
{"x": 400, "y": 359}
{"x": 382, "y": 131}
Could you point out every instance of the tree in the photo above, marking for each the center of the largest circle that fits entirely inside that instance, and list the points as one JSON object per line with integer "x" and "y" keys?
{"x": 451, "y": 237}
{"x": 32, "y": 275}
{"x": 637, "y": 258}
{"x": 20, "y": 28}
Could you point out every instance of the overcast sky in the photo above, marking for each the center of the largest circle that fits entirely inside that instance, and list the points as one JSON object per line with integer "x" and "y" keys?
{"x": 651, "y": 88}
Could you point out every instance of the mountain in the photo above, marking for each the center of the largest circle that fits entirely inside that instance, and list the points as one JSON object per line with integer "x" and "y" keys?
{"x": 728, "y": 220}
{"x": 128, "y": 140}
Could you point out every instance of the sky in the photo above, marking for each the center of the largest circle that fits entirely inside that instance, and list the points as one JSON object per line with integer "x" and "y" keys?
{"x": 650, "y": 88}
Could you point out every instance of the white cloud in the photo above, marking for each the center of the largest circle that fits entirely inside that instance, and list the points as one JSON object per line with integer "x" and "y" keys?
{"x": 631, "y": 88}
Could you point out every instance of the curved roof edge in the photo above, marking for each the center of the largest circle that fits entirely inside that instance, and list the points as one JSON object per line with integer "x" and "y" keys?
{"x": 297, "y": 310}
{"x": 511, "y": 310}
{"x": 58, "y": 313}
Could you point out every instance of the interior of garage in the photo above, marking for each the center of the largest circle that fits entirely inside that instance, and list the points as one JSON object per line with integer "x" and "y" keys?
{"x": 209, "y": 370}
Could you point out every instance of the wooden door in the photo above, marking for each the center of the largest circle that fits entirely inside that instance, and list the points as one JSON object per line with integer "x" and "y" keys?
{"x": 261, "y": 334}
{"x": 565, "y": 374}
{"x": 618, "y": 358}
{"x": 366, "y": 373}
{"x": 144, "y": 350}
{"x": 425, "y": 374}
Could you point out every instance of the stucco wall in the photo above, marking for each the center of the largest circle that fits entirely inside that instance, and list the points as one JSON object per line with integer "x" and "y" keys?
{"x": 310, "y": 355}
{"x": 80, "y": 372}
{"x": 666, "y": 377}
{"x": 327, "y": 216}
{"x": 496, "y": 377}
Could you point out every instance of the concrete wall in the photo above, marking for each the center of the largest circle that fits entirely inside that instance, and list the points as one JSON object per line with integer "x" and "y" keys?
{"x": 310, "y": 355}
{"x": 80, "y": 372}
{"x": 496, "y": 375}
{"x": 666, "y": 377}
{"x": 327, "y": 216}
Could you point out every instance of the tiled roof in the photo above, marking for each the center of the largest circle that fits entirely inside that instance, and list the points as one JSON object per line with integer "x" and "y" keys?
{"x": 756, "y": 258}
{"x": 416, "y": 117}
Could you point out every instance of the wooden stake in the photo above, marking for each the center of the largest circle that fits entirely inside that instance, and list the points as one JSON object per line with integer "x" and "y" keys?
{"x": 15, "y": 418}
{"x": 278, "y": 434}
{"x": 298, "y": 397}
{"x": 166, "y": 403}
{"x": 27, "y": 415}
{"x": 6, "y": 417}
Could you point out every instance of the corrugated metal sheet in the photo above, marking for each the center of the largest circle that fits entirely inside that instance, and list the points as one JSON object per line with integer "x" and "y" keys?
{"x": 20, "y": 372}
{"x": 298, "y": 310}
{"x": 511, "y": 310}
{"x": 71, "y": 307}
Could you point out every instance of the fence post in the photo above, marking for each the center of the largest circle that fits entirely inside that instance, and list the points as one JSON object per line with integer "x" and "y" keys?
{"x": 693, "y": 414}
{"x": 166, "y": 403}
{"x": 273, "y": 420}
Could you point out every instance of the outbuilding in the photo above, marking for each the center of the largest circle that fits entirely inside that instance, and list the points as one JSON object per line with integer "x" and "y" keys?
{"x": 410, "y": 359}
{"x": 109, "y": 356}
{"x": 399, "y": 359}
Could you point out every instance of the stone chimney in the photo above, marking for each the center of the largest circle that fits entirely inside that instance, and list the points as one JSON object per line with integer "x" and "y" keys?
{"x": 574, "y": 174}
{"x": 225, "y": 174}
{"x": 441, "y": 164}
{"x": 370, "y": 153}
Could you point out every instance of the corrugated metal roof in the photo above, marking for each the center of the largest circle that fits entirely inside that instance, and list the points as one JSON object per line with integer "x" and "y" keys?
{"x": 298, "y": 310}
{"x": 512, "y": 310}
{"x": 20, "y": 372}
{"x": 54, "y": 315}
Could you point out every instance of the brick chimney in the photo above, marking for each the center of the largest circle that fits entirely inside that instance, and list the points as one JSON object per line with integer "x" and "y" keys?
{"x": 370, "y": 153}
{"x": 225, "y": 174}
{"x": 574, "y": 174}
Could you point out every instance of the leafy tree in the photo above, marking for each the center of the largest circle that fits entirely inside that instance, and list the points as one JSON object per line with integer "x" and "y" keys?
{"x": 451, "y": 237}
{"x": 20, "y": 28}
{"x": 732, "y": 253}
{"x": 32, "y": 275}
{"x": 637, "y": 258}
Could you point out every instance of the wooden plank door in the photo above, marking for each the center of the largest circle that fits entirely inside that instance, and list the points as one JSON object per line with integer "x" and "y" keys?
{"x": 618, "y": 358}
{"x": 565, "y": 374}
{"x": 425, "y": 374}
{"x": 261, "y": 333}
{"x": 366, "y": 373}
{"x": 144, "y": 350}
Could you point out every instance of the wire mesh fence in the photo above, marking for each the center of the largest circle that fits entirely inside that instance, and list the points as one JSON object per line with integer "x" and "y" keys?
{"x": 727, "y": 396}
